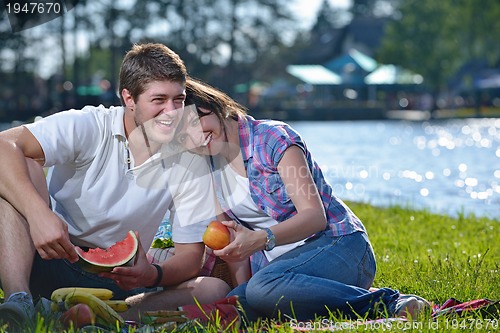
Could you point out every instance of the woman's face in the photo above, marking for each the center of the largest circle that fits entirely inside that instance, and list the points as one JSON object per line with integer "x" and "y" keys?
{"x": 203, "y": 134}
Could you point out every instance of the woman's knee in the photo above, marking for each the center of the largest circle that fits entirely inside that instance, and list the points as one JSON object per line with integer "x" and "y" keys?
{"x": 367, "y": 268}
{"x": 265, "y": 287}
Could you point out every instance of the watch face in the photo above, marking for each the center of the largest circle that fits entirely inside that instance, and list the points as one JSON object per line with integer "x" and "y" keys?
{"x": 271, "y": 240}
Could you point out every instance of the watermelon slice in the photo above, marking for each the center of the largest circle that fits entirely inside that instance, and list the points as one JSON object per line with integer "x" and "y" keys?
{"x": 104, "y": 260}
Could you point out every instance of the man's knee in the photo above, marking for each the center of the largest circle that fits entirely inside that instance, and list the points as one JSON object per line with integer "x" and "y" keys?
{"x": 209, "y": 289}
{"x": 13, "y": 224}
{"x": 7, "y": 211}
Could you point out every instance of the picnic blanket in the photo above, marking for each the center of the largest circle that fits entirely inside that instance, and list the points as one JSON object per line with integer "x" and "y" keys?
{"x": 452, "y": 314}
{"x": 486, "y": 307}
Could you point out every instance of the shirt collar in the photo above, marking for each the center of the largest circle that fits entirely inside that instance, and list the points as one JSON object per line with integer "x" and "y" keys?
{"x": 118, "y": 127}
{"x": 246, "y": 124}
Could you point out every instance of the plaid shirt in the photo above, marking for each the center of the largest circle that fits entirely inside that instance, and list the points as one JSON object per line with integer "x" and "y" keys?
{"x": 263, "y": 143}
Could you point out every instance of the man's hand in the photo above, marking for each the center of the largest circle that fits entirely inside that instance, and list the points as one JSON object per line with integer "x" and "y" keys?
{"x": 141, "y": 274}
{"x": 50, "y": 236}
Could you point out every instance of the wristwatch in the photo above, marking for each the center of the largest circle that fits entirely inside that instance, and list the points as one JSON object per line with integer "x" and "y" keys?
{"x": 271, "y": 240}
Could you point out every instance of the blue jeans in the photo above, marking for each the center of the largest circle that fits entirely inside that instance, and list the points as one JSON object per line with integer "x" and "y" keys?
{"x": 325, "y": 275}
{"x": 48, "y": 275}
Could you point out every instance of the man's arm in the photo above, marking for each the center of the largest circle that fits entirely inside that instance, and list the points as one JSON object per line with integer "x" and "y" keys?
{"x": 184, "y": 265}
{"x": 16, "y": 185}
{"x": 23, "y": 186}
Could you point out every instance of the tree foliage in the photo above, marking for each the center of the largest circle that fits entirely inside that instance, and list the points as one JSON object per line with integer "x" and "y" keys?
{"x": 221, "y": 41}
{"x": 436, "y": 38}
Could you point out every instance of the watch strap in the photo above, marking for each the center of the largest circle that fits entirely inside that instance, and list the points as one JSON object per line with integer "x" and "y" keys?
{"x": 270, "y": 240}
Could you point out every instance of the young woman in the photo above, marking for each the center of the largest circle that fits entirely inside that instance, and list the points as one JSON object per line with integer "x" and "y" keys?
{"x": 310, "y": 253}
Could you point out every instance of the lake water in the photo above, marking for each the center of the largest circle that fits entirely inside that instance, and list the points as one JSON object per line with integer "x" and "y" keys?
{"x": 445, "y": 166}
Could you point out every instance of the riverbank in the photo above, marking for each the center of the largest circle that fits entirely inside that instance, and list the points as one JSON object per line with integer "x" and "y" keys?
{"x": 367, "y": 112}
{"x": 435, "y": 256}
{"x": 353, "y": 113}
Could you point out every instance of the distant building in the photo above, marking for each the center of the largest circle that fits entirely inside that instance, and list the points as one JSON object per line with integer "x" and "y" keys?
{"x": 363, "y": 34}
{"x": 337, "y": 77}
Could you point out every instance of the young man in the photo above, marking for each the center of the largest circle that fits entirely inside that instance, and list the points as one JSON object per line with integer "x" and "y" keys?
{"x": 110, "y": 171}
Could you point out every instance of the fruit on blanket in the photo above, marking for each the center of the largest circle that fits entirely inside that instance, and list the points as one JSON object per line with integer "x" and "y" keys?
{"x": 216, "y": 236}
{"x": 79, "y": 315}
{"x": 60, "y": 294}
{"x": 117, "y": 304}
{"x": 104, "y": 260}
{"x": 98, "y": 306}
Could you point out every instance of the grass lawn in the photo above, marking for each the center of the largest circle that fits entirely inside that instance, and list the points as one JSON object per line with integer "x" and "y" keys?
{"x": 434, "y": 256}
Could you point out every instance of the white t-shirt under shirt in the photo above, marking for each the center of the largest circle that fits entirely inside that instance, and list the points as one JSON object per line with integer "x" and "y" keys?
{"x": 236, "y": 191}
{"x": 92, "y": 188}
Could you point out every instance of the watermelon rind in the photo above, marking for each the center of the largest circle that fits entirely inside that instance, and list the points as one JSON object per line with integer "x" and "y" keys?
{"x": 98, "y": 265}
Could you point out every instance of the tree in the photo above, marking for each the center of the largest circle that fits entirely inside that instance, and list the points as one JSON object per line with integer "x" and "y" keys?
{"x": 436, "y": 38}
{"x": 225, "y": 42}
{"x": 222, "y": 38}
{"x": 363, "y": 8}
{"x": 328, "y": 18}
{"x": 478, "y": 28}
{"x": 423, "y": 41}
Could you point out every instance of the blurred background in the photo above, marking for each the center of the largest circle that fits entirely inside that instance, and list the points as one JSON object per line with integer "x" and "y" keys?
{"x": 398, "y": 98}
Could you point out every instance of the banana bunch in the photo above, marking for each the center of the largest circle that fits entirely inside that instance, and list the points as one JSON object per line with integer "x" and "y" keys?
{"x": 98, "y": 299}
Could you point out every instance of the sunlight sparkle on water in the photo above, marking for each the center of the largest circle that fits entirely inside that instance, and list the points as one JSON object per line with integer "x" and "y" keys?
{"x": 420, "y": 142}
{"x": 448, "y": 166}
{"x": 471, "y": 181}
{"x": 424, "y": 192}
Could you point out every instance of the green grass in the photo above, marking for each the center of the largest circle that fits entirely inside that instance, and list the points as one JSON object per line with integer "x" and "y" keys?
{"x": 418, "y": 252}
{"x": 432, "y": 255}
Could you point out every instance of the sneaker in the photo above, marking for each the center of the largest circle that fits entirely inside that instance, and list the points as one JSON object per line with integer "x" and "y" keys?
{"x": 411, "y": 306}
{"x": 18, "y": 309}
{"x": 44, "y": 307}
{"x": 222, "y": 313}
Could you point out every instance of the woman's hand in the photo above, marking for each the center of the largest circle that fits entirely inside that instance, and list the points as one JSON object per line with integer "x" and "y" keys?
{"x": 245, "y": 243}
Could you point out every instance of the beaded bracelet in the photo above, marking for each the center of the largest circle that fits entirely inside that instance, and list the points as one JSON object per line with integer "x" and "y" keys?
{"x": 159, "y": 277}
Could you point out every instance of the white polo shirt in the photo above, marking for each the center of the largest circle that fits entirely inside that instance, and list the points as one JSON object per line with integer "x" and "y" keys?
{"x": 94, "y": 191}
